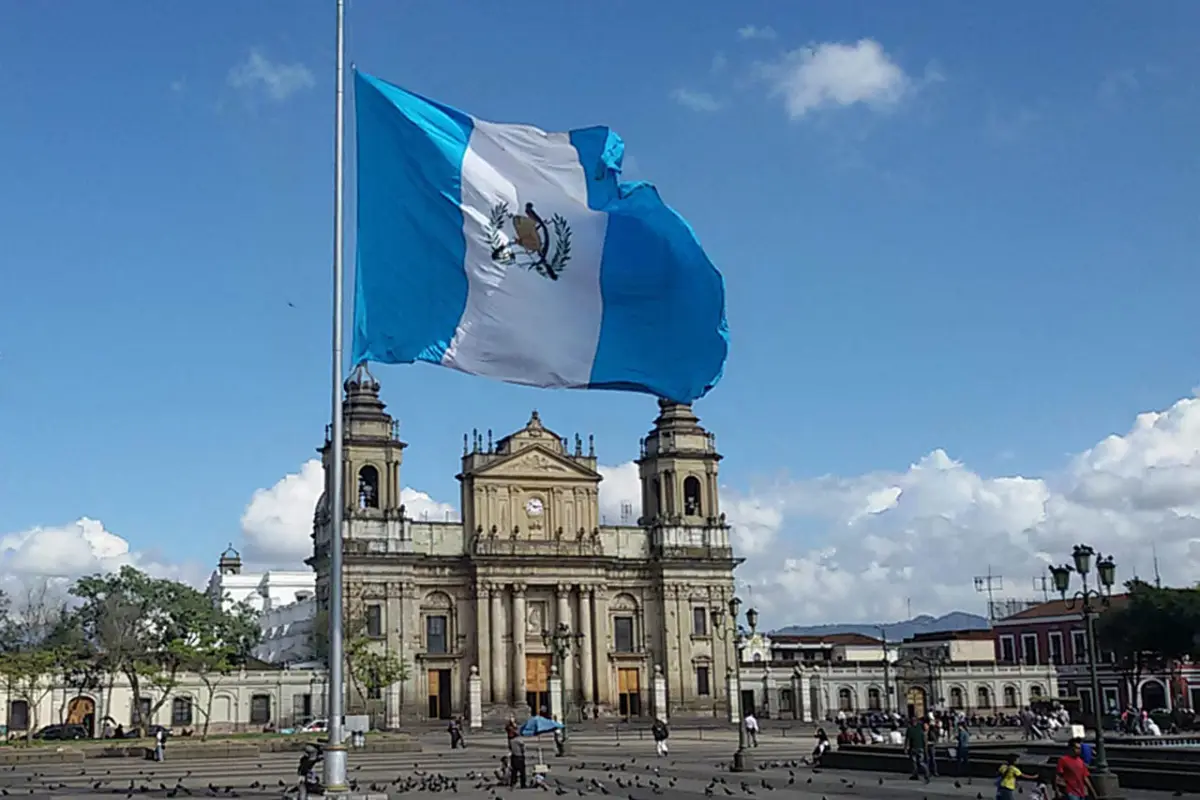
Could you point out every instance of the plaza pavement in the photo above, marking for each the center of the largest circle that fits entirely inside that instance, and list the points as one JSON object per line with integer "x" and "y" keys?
{"x": 598, "y": 767}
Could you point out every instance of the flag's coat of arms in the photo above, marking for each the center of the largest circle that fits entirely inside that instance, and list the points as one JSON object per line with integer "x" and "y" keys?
{"x": 525, "y": 240}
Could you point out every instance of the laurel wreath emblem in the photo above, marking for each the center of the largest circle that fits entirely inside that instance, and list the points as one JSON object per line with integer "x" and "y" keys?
{"x": 505, "y": 251}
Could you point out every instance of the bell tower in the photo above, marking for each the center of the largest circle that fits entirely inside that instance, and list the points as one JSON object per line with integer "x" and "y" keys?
{"x": 678, "y": 470}
{"x": 372, "y": 456}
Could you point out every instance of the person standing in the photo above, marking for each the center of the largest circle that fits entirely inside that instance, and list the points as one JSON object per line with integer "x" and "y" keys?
{"x": 516, "y": 753}
{"x": 962, "y": 749}
{"x": 1072, "y": 776}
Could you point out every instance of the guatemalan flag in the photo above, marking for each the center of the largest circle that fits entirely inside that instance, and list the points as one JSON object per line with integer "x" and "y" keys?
{"x": 516, "y": 254}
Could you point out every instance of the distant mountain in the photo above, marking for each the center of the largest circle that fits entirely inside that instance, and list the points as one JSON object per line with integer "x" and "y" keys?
{"x": 896, "y": 631}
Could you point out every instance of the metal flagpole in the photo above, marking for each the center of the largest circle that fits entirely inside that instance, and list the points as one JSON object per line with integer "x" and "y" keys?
{"x": 335, "y": 751}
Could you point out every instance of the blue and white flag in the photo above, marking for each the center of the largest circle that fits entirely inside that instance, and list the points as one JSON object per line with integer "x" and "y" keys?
{"x": 516, "y": 254}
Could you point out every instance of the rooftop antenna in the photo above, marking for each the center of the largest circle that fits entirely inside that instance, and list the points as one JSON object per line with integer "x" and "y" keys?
{"x": 990, "y": 583}
{"x": 1042, "y": 584}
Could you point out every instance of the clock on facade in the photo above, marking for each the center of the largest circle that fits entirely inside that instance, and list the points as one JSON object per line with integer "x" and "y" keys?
{"x": 533, "y": 507}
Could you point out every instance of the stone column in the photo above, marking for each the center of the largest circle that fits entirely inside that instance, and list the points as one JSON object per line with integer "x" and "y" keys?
{"x": 604, "y": 693}
{"x": 735, "y": 700}
{"x": 587, "y": 646}
{"x": 567, "y": 674}
{"x": 483, "y": 655}
{"x": 497, "y": 683}
{"x": 518, "y": 635}
{"x": 556, "y": 694}
{"x": 475, "y": 698}
{"x": 659, "y": 686}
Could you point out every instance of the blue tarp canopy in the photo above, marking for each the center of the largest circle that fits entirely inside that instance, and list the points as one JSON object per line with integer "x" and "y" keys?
{"x": 535, "y": 726}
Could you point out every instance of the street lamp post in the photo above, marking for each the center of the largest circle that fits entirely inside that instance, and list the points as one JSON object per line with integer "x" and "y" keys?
{"x": 562, "y": 643}
{"x": 731, "y": 632}
{"x": 1092, "y": 600}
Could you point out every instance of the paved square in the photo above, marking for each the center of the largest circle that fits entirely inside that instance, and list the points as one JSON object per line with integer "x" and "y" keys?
{"x": 599, "y": 766}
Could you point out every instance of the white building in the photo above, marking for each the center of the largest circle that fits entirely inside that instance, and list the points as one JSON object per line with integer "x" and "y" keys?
{"x": 285, "y": 601}
{"x": 814, "y": 677}
{"x": 243, "y": 701}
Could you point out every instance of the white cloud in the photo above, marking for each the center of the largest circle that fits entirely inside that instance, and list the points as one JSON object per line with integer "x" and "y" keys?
{"x": 84, "y": 547}
{"x": 756, "y": 32}
{"x": 695, "y": 100}
{"x": 858, "y": 548}
{"x": 278, "y": 81}
{"x": 835, "y": 74}
{"x": 821, "y": 549}
{"x": 277, "y": 522}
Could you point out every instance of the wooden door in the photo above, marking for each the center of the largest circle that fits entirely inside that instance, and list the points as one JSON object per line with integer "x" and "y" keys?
{"x": 434, "y": 684}
{"x": 629, "y": 696}
{"x": 537, "y": 684}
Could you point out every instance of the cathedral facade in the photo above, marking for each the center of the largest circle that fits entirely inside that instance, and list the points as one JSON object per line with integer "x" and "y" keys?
{"x": 531, "y": 582}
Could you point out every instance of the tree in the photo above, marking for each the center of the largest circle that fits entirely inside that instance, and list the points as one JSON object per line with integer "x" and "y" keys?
{"x": 1153, "y": 631}
{"x": 369, "y": 666}
{"x": 35, "y": 651}
{"x": 222, "y": 648}
{"x": 148, "y": 629}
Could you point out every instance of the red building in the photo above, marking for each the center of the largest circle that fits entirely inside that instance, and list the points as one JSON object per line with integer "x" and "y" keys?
{"x": 1053, "y": 635}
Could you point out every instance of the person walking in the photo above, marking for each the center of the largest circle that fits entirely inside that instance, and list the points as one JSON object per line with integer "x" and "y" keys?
{"x": 160, "y": 744}
{"x": 914, "y": 746}
{"x": 751, "y": 723}
{"x": 660, "y": 732}
{"x": 1006, "y": 783}
{"x": 1072, "y": 776}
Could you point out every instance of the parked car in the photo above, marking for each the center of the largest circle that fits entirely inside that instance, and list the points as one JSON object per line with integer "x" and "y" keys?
{"x": 61, "y": 733}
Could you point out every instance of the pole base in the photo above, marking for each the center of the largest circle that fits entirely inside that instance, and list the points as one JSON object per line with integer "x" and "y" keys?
{"x": 1108, "y": 787}
{"x": 742, "y": 762}
{"x": 334, "y": 763}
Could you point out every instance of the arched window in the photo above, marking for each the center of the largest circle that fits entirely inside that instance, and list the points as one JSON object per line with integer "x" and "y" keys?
{"x": 845, "y": 699}
{"x": 691, "y": 497}
{"x": 1035, "y": 691}
{"x": 1010, "y": 697}
{"x": 983, "y": 697}
{"x": 874, "y": 700}
{"x": 956, "y": 697}
{"x": 368, "y": 487}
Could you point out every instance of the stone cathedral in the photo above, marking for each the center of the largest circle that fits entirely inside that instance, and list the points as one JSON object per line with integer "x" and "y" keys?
{"x": 530, "y": 556}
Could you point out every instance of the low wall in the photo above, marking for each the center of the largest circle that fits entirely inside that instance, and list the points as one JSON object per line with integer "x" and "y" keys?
{"x": 1163, "y": 769}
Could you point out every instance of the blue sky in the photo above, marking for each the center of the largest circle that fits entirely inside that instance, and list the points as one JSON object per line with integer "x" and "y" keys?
{"x": 977, "y": 232}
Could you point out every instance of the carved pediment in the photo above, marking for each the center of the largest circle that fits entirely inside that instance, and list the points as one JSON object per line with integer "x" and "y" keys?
{"x": 536, "y": 462}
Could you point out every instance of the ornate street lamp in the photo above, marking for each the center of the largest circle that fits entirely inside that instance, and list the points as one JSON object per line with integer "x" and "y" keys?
{"x": 1091, "y": 602}
{"x": 730, "y": 630}
{"x": 562, "y": 642}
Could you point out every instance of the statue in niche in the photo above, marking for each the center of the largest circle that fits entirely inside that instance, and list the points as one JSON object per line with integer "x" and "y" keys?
{"x": 533, "y": 620}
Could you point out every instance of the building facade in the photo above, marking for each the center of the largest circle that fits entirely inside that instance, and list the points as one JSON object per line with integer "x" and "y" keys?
{"x": 812, "y": 678}
{"x": 531, "y": 556}
{"x": 249, "y": 700}
{"x": 285, "y": 602}
{"x": 1051, "y": 635}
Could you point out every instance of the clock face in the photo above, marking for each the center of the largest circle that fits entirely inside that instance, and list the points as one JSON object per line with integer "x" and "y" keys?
{"x": 533, "y": 507}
